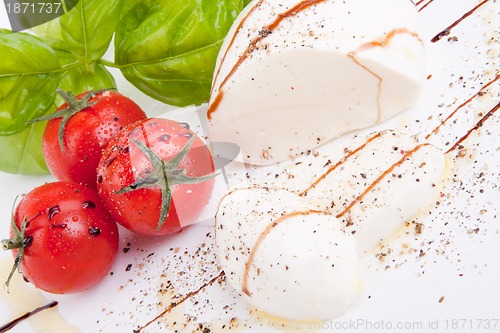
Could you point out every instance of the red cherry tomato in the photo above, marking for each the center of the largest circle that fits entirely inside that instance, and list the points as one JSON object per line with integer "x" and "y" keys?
{"x": 66, "y": 238}
{"x": 156, "y": 177}
{"x": 86, "y": 134}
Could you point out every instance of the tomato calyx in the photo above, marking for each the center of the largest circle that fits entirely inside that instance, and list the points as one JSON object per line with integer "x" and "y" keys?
{"x": 75, "y": 105}
{"x": 19, "y": 242}
{"x": 164, "y": 175}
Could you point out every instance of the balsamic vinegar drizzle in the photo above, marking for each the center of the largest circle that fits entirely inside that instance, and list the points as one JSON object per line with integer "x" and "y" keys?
{"x": 481, "y": 91}
{"x": 378, "y": 135}
{"x": 408, "y": 154}
{"x": 478, "y": 125}
{"x": 11, "y": 324}
{"x": 380, "y": 178}
{"x": 379, "y": 43}
{"x": 339, "y": 163}
{"x": 221, "y": 275}
{"x": 237, "y": 30}
{"x": 261, "y": 238}
{"x": 301, "y": 6}
{"x": 405, "y": 157}
{"x": 423, "y": 7}
{"x": 367, "y": 190}
{"x": 447, "y": 31}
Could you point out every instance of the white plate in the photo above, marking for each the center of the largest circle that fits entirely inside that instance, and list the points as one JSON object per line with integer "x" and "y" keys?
{"x": 446, "y": 279}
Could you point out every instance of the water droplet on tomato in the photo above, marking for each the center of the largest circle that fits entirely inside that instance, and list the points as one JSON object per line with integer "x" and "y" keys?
{"x": 164, "y": 138}
{"x": 94, "y": 231}
{"x": 62, "y": 225}
{"x": 53, "y": 211}
{"x": 89, "y": 203}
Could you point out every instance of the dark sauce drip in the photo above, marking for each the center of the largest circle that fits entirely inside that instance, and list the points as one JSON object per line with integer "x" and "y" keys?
{"x": 253, "y": 44}
{"x": 16, "y": 321}
{"x": 380, "y": 178}
{"x": 436, "y": 130}
{"x": 55, "y": 210}
{"x": 182, "y": 300}
{"x": 238, "y": 28}
{"x": 339, "y": 163}
{"x": 215, "y": 103}
{"x": 447, "y": 30}
{"x": 387, "y": 172}
{"x": 379, "y": 43}
{"x": 478, "y": 125}
{"x": 384, "y": 174}
{"x": 258, "y": 243}
{"x": 424, "y": 6}
{"x": 273, "y": 224}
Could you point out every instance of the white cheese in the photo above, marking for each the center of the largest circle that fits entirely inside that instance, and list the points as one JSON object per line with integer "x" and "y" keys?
{"x": 294, "y": 253}
{"x": 292, "y": 75}
{"x": 285, "y": 258}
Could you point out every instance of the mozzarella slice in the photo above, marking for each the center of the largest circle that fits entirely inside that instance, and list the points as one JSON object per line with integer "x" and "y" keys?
{"x": 284, "y": 257}
{"x": 377, "y": 187}
{"x": 294, "y": 74}
{"x": 295, "y": 254}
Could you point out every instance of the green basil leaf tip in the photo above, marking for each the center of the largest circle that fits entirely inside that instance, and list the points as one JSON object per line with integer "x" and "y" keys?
{"x": 29, "y": 75}
{"x": 88, "y": 28}
{"x": 168, "y": 49}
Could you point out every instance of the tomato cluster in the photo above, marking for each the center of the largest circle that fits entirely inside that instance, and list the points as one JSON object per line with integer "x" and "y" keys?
{"x": 113, "y": 165}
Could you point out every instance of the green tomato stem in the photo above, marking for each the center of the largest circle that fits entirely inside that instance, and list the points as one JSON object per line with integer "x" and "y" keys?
{"x": 11, "y": 244}
{"x": 108, "y": 63}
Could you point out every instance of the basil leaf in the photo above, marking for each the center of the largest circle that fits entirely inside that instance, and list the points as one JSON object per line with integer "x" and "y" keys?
{"x": 29, "y": 76}
{"x": 82, "y": 79}
{"x": 87, "y": 29}
{"x": 168, "y": 48}
{"x": 48, "y": 30}
{"x": 22, "y": 151}
{"x": 126, "y": 7}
